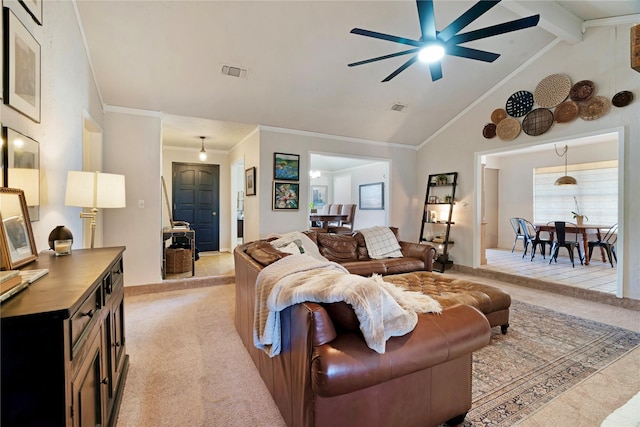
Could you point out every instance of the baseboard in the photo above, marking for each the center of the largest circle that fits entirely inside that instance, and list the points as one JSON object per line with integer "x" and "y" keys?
{"x": 178, "y": 284}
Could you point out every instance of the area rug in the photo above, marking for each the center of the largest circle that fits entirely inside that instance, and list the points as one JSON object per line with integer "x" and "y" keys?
{"x": 544, "y": 354}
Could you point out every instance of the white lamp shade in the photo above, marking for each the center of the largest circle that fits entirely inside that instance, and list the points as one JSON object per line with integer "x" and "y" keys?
{"x": 27, "y": 180}
{"x": 95, "y": 190}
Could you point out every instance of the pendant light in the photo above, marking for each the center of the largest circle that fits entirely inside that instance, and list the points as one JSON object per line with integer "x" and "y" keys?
{"x": 566, "y": 179}
{"x": 203, "y": 153}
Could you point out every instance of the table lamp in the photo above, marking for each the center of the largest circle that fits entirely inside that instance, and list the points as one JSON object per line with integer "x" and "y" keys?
{"x": 94, "y": 190}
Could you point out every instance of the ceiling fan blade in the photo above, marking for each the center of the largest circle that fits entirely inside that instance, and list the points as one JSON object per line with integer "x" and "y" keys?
{"x": 427, "y": 19}
{"x": 380, "y": 58}
{"x": 466, "y": 18}
{"x": 388, "y": 37}
{"x": 436, "y": 70}
{"x": 494, "y": 30}
{"x": 467, "y": 52}
{"x": 401, "y": 68}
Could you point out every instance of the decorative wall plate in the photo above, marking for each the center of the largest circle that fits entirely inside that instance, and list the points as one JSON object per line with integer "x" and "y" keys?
{"x": 537, "y": 122}
{"x": 582, "y": 90}
{"x": 508, "y": 129}
{"x": 622, "y": 99}
{"x": 489, "y": 130}
{"x": 552, "y": 90}
{"x": 566, "y": 112}
{"x": 594, "y": 108}
{"x": 498, "y": 115}
{"x": 519, "y": 104}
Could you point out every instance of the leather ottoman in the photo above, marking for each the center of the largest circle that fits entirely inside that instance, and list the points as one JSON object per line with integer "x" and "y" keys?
{"x": 494, "y": 303}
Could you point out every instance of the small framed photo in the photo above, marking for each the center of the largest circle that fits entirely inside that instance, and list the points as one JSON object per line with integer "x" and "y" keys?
{"x": 286, "y": 196}
{"x": 16, "y": 236}
{"x": 433, "y": 199}
{"x": 250, "y": 181}
{"x": 21, "y": 68}
{"x": 286, "y": 167}
{"x": 372, "y": 196}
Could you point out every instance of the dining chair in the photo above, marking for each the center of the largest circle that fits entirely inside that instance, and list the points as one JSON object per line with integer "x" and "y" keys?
{"x": 334, "y": 209}
{"x": 517, "y": 229}
{"x": 561, "y": 241}
{"x": 346, "y": 225}
{"x": 532, "y": 237}
{"x": 608, "y": 242}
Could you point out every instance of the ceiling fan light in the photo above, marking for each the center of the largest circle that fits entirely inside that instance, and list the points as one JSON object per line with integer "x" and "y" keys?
{"x": 566, "y": 180}
{"x": 431, "y": 53}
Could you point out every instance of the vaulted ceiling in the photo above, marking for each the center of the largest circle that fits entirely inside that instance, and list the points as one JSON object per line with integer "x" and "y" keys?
{"x": 168, "y": 56}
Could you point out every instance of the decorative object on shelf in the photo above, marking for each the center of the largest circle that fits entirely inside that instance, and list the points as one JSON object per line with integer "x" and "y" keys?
{"x": 203, "y": 154}
{"x": 95, "y": 190}
{"x": 594, "y": 108}
{"x": 442, "y": 179}
{"x": 286, "y": 195}
{"x": 371, "y": 196}
{"x": 566, "y": 112}
{"x": 16, "y": 236}
{"x": 552, "y": 90}
{"x": 508, "y": 129}
{"x": 22, "y": 68}
{"x": 22, "y": 170}
{"x": 59, "y": 233}
{"x": 250, "y": 181}
{"x": 519, "y": 104}
{"x": 582, "y": 91}
{"x": 537, "y": 122}
{"x": 286, "y": 167}
{"x": 433, "y": 199}
{"x": 62, "y": 247}
{"x": 566, "y": 179}
{"x": 498, "y": 115}
{"x": 489, "y": 130}
{"x": 622, "y": 98}
{"x": 447, "y": 198}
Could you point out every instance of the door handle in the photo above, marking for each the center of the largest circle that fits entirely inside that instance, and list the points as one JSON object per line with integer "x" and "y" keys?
{"x": 214, "y": 213}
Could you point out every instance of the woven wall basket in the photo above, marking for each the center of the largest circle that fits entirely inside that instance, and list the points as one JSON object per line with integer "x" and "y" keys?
{"x": 537, "y": 122}
{"x": 566, "y": 112}
{"x": 552, "y": 90}
{"x": 508, "y": 129}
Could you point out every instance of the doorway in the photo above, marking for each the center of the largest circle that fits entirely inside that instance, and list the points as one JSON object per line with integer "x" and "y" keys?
{"x": 196, "y": 200}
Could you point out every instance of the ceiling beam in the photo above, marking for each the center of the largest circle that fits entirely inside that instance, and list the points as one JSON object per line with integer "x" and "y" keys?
{"x": 553, "y": 18}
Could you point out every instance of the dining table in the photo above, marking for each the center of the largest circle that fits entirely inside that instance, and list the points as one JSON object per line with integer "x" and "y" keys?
{"x": 583, "y": 229}
{"x": 325, "y": 219}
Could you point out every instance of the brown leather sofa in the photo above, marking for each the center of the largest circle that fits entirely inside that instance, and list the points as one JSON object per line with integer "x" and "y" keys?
{"x": 351, "y": 252}
{"x": 326, "y": 375}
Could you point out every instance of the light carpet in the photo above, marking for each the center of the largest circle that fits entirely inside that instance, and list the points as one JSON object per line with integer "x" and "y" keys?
{"x": 189, "y": 367}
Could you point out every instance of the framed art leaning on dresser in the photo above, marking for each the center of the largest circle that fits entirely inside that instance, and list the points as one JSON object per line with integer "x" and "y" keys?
{"x": 16, "y": 235}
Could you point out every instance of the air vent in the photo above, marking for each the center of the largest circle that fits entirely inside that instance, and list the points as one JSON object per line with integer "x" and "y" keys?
{"x": 398, "y": 107}
{"x": 229, "y": 70}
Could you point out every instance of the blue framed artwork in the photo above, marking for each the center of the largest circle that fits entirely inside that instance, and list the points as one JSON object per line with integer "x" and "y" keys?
{"x": 372, "y": 196}
{"x": 286, "y": 167}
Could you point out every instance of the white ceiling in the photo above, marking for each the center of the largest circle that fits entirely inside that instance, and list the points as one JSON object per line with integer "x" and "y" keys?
{"x": 167, "y": 56}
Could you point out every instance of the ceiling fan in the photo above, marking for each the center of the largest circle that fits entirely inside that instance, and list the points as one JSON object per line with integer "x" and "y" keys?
{"x": 433, "y": 44}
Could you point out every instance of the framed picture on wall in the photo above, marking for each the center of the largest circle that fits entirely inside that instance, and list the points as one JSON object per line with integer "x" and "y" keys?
{"x": 34, "y": 7}
{"x": 319, "y": 196}
{"x": 21, "y": 68}
{"x": 372, "y": 196}
{"x": 250, "y": 181}
{"x": 22, "y": 168}
{"x": 286, "y": 167}
{"x": 286, "y": 195}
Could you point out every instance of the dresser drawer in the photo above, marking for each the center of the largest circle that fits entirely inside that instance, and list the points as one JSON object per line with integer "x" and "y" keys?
{"x": 81, "y": 319}
{"x": 113, "y": 280}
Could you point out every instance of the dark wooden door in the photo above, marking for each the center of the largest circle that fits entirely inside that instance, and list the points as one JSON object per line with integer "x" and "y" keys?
{"x": 196, "y": 199}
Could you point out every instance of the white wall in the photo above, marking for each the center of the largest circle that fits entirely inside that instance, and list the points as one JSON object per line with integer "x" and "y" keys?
{"x": 402, "y": 201}
{"x": 602, "y": 57}
{"x": 67, "y": 92}
{"x": 248, "y": 152}
{"x": 132, "y": 145}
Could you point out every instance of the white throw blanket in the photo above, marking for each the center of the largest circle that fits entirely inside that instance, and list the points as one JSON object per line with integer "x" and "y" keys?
{"x": 382, "y": 309}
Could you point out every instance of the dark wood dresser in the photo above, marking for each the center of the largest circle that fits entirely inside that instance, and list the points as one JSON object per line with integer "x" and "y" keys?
{"x": 63, "y": 354}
